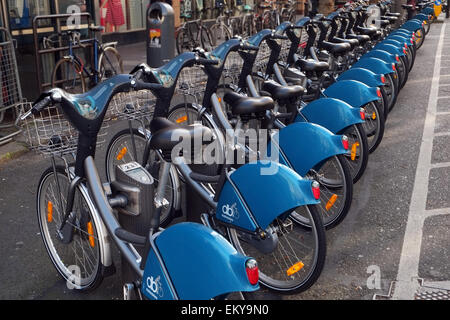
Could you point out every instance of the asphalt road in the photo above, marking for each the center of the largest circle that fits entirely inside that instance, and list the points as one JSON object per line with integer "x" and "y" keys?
{"x": 372, "y": 237}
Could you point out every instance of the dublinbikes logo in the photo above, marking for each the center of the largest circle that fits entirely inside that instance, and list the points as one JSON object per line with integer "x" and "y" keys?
{"x": 230, "y": 212}
{"x": 238, "y": 146}
{"x": 154, "y": 287}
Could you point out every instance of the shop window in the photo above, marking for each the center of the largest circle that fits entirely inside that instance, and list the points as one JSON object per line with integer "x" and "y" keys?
{"x": 123, "y": 15}
{"x": 22, "y": 12}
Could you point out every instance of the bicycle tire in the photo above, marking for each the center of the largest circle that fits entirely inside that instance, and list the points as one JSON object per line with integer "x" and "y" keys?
{"x": 219, "y": 33}
{"x": 314, "y": 233}
{"x": 118, "y": 143}
{"x": 328, "y": 187}
{"x": 43, "y": 203}
{"x": 69, "y": 67}
{"x": 358, "y": 165}
{"x": 104, "y": 61}
{"x": 374, "y": 124}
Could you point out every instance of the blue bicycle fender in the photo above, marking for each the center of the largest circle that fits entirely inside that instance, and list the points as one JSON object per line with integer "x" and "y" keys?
{"x": 403, "y": 32}
{"x": 355, "y": 93}
{"x": 391, "y": 48}
{"x": 268, "y": 189}
{"x": 401, "y": 38}
{"x": 381, "y": 54}
{"x": 411, "y": 25}
{"x": 305, "y": 145}
{"x": 375, "y": 65}
{"x": 422, "y": 16}
{"x": 427, "y": 11}
{"x": 362, "y": 75}
{"x": 200, "y": 262}
{"x": 333, "y": 114}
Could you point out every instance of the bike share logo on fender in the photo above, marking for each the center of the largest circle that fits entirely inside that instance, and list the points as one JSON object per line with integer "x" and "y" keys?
{"x": 230, "y": 212}
{"x": 154, "y": 287}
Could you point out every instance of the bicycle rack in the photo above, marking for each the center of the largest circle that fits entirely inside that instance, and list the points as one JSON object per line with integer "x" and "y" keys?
{"x": 11, "y": 91}
{"x": 56, "y": 52}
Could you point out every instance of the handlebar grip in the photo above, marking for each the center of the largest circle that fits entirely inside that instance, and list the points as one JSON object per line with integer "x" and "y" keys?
{"x": 140, "y": 85}
{"x": 39, "y": 106}
{"x": 138, "y": 74}
{"x": 279, "y": 37}
{"x": 249, "y": 47}
{"x": 205, "y": 62}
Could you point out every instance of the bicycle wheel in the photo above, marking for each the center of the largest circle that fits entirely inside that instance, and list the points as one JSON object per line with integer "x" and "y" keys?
{"x": 336, "y": 190}
{"x": 403, "y": 72}
{"x": 373, "y": 124}
{"x": 293, "y": 259}
{"x": 110, "y": 63}
{"x": 183, "y": 43}
{"x": 219, "y": 34}
{"x": 358, "y": 155}
{"x": 120, "y": 150}
{"x": 206, "y": 39}
{"x": 391, "y": 90}
{"x": 68, "y": 75}
{"x": 420, "y": 37}
{"x": 77, "y": 257}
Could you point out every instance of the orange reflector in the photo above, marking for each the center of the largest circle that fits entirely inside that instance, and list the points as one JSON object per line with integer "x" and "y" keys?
{"x": 183, "y": 118}
{"x": 220, "y": 99}
{"x": 295, "y": 268}
{"x": 49, "y": 211}
{"x": 331, "y": 201}
{"x": 374, "y": 116}
{"x": 90, "y": 230}
{"x": 122, "y": 153}
{"x": 353, "y": 151}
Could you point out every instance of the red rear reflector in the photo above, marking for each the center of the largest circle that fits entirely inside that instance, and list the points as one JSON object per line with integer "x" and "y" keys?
{"x": 345, "y": 142}
{"x": 383, "y": 79}
{"x": 362, "y": 114}
{"x": 404, "y": 50}
{"x": 251, "y": 267}
{"x": 397, "y": 58}
{"x": 393, "y": 66}
{"x": 378, "y": 92}
{"x": 316, "y": 190}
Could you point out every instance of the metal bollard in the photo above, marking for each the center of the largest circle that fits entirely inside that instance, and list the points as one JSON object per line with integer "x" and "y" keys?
{"x": 161, "y": 34}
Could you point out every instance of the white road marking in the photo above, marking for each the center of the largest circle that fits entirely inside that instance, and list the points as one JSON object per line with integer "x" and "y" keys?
{"x": 408, "y": 270}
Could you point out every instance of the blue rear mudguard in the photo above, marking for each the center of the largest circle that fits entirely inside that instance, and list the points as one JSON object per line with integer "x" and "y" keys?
{"x": 391, "y": 48}
{"x": 427, "y": 11}
{"x": 412, "y": 25}
{"x": 257, "y": 193}
{"x": 375, "y": 65}
{"x": 423, "y": 16}
{"x": 381, "y": 54}
{"x": 201, "y": 265}
{"x": 362, "y": 75}
{"x": 303, "y": 146}
{"x": 355, "y": 93}
{"x": 401, "y": 38}
{"x": 333, "y": 114}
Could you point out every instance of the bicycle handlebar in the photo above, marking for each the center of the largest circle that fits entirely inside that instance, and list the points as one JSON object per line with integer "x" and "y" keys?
{"x": 249, "y": 47}
{"x": 141, "y": 85}
{"x": 205, "y": 62}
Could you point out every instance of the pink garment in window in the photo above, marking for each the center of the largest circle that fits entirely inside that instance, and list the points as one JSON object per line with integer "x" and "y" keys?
{"x": 114, "y": 13}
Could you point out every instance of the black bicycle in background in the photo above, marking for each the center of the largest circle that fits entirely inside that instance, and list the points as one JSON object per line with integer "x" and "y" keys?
{"x": 71, "y": 73}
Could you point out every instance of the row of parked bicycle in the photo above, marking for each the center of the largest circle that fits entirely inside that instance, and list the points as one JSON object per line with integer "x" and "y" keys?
{"x": 318, "y": 91}
{"x": 249, "y": 20}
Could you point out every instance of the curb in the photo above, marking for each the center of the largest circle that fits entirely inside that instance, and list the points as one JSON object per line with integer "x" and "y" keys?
{"x": 14, "y": 154}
